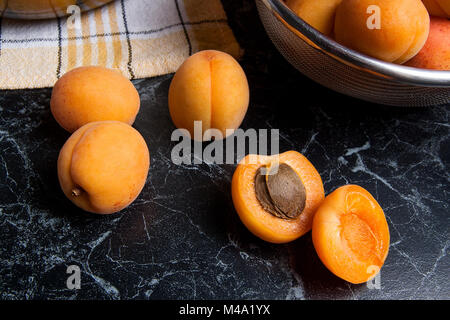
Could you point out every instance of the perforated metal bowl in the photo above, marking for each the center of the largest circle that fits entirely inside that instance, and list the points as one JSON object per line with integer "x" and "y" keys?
{"x": 43, "y": 9}
{"x": 347, "y": 71}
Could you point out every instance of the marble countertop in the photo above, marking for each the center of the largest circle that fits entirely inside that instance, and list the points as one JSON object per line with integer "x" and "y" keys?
{"x": 182, "y": 238}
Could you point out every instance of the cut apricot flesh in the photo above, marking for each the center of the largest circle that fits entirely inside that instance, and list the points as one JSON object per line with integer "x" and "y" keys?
{"x": 255, "y": 217}
{"x": 350, "y": 234}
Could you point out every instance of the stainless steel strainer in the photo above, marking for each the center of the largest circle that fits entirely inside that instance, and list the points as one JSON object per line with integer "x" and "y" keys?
{"x": 347, "y": 71}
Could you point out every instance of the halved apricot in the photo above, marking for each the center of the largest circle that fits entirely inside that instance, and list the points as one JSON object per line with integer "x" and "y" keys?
{"x": 350, "y": 234}
{"x": 277, "y": 205}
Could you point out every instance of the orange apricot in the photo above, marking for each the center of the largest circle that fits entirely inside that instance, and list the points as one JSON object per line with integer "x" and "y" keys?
{"x": 438, "y": 8}
{"x": 436, "y": 52}
{"x": 88, "y": 94}
{"x": 103, "y": 166}
{"x": 402, "y": 31}
{"x": 318, "y": 13}
{"x": 350, "y": 234}
{"x": 277, "y": 205}
{"x": 211, "y": 87}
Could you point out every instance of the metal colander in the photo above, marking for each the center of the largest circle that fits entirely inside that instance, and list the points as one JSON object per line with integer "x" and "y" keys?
{"x": 347, "y": 71}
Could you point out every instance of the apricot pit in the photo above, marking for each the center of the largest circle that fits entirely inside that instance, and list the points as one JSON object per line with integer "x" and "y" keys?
{"x": 280, "y": 191}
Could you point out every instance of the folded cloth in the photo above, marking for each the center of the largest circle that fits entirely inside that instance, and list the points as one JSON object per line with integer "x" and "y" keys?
{"x": 141, "y": 38}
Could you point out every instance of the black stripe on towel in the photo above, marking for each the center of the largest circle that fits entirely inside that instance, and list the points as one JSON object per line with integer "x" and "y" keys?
{"x": 184, "y": 27}
{"x": 58, "y": 68}
{"x": 111, "y": 34}
{"x": 1, "y": 21}
{"x": 130, "y": 49}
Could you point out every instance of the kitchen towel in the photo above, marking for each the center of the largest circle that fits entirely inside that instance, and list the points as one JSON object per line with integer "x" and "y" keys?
{"x": 141, "y": 38}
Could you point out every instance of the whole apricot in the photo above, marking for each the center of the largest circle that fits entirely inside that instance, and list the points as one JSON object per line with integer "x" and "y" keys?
{"x": 438, "y": 8}
{"x": 318, "y": 13}
{"x": 103, "y": 166}
{"x": 392, "y": 31}
{"x": 88, "y": 94}
{"x": 436, "y": 52}
{"x": 211, "y": 87}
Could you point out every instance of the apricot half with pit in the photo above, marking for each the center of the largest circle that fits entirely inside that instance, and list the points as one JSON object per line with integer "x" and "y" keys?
{"x": 276, "y": 196}
{"x": 103, "y": 166}
{"x": 88, "y": 94}
{"x": 209, "y": 87}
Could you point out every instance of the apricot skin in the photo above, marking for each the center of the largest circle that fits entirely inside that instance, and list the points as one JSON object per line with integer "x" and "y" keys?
{"x": 89, "y": 94}
{"x": 404, "y": 28}
{"x": 318, "y": 13}
{"x": 436, "y": 52}
{"x": 103, "y": 166}
{"x": 211, "y": 87}
{"x": 438, "y": 8}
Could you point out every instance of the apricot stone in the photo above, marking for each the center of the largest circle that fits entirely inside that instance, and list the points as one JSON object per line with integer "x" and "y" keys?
{"x": 436, "y": 52}
{"x": 438, "y": 8}
{"x": 402, "y": 32}
{"x": 88, "y": 94}
{"x": 318, "y": 13}
{"x": 103, "y": 166}
{"x": 211, "y": 87}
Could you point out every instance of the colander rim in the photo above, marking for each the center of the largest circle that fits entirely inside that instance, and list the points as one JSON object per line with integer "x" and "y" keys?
{"x": 400, "y": 73}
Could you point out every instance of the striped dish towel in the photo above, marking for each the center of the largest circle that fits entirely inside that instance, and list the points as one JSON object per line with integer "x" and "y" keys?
{"x": 141, "y": 38}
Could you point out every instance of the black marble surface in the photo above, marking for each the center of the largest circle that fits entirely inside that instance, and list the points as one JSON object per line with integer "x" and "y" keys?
{"x": 182, "y": 238}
